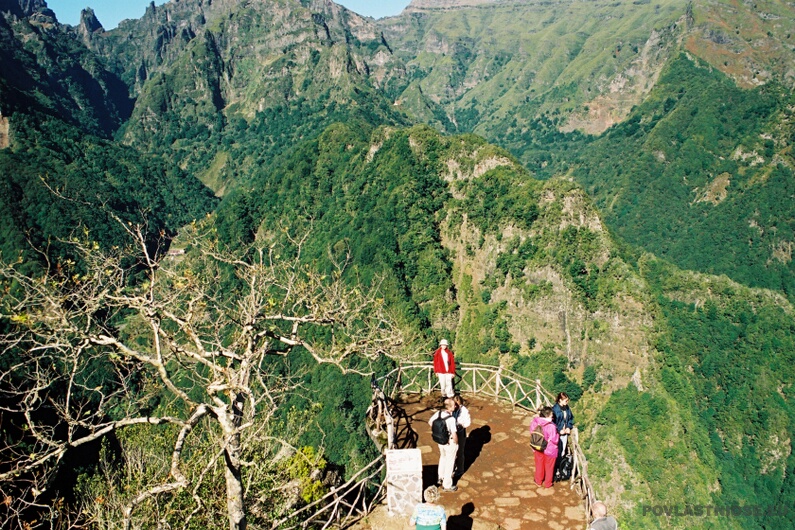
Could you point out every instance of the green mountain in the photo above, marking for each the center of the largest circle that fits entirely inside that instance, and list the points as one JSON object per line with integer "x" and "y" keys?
{"x": 594, "y": 194}
{"x": 680, "y": 378}
{"x": 62, "y": 174}
{"x": 701, "y": 180}
{"x": 223, "y": 86}
{"x": 46, "y": 71}
{"x": 497, "y": 67}
{"x": 675, "y": 116}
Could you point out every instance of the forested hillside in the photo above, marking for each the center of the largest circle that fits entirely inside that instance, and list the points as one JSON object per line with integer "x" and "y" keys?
{"x": 596, "y": 195}
{"x": 699, "y": 160}
{"x": 222, "y": 87}
{"x": 701, "y": 180}
{"x": 498, "y": 67}
{"x": 47, "y": 71}
{"x": 62, "y": 173}
{"x": 522, "y": 273}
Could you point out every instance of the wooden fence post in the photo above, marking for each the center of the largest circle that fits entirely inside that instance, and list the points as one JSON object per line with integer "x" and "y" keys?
{"x": 538, "y": 394}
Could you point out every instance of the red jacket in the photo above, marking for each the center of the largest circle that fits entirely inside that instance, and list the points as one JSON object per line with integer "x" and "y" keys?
{"x": 438, "y": 363}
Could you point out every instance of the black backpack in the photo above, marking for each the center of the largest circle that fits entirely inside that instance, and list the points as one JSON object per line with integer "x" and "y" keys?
{"x": 564, "y": 467}
{"x": 537, "y": 439}
{"x": 439, "y": 431}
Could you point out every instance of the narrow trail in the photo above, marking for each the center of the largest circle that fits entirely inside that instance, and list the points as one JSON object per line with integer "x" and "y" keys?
{"x": 497, "y": 489}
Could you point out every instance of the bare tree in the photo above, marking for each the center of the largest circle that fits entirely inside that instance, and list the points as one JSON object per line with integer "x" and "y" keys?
{"x": 86, "y": 345}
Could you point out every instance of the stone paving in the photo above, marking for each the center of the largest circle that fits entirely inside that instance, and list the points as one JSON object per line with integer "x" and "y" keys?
{"x": 497, "y": 489}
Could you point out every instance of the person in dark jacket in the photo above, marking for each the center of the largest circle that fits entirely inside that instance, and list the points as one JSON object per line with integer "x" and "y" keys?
{"x": 462, "y": 420}
{"x": 564, "y": 420}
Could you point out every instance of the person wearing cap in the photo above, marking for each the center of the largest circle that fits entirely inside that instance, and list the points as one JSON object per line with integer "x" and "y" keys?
{"x": 444, "y": 366}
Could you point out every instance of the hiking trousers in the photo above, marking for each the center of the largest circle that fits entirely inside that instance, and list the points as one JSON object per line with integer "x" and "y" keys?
{"x": 446, "y": 384}
{"x": 545, "y": 468}
{"x": 447, "y": 463}
{"x": 460, "y": 456}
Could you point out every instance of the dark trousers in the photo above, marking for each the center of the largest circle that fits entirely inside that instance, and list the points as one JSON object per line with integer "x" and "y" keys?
{"x": 460, "y": 457}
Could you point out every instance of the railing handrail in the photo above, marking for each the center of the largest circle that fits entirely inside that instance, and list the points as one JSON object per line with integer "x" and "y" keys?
{"x": 499, "y": 382}
{"x": 333, "y": 496}
{"x": 462, "y": 366}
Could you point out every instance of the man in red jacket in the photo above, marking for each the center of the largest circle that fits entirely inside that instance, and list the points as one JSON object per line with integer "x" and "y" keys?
{"x": 444, "y": 366}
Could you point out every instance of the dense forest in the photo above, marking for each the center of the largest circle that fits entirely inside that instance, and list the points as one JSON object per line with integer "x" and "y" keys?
{"x": 699, "y": 179}
{"x": 219, "y": 221}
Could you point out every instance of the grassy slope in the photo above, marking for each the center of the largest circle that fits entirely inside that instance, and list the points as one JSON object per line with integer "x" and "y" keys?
{"x": 495, "y": 68}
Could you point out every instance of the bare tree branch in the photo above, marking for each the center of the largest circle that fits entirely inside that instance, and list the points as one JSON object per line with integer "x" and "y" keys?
{"x": 90, "y": 344}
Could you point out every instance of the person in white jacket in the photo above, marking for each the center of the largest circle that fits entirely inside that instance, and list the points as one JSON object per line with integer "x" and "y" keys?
{"x": 462, "y": 420}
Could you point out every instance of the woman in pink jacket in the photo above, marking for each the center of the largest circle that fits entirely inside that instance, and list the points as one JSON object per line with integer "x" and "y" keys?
{"x": 545, "y": 460}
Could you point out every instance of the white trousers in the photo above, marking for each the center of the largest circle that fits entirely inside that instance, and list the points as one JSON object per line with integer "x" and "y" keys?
{"x": 446, "y": 384}
{"x": 447, "y": 463}
{"x": 564, "y": 439}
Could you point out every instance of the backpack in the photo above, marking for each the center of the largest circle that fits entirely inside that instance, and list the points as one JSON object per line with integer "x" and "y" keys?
{"x": 537, "y": 439}
{"x": 564, "y": 467}
{"x": 439, "y": 431}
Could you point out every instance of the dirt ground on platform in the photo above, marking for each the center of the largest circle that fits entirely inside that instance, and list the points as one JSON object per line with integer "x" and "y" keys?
{"x": 497, "y": 489}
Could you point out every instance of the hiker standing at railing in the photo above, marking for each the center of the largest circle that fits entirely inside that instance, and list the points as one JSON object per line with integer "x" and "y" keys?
{"x": 462, "y": 420}
{"x": 444, "y": 366}
{"x": 546, "y": 452}
{"x": 564, "y": 422}
{"x": 564, "y": 419}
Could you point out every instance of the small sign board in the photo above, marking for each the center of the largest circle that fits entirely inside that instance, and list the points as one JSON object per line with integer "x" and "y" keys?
{"x": 403, "y": 480}
{"x": 402, "y": 461}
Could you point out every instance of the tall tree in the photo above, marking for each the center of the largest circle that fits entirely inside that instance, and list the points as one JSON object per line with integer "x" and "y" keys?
{"x": 83, "y": 350}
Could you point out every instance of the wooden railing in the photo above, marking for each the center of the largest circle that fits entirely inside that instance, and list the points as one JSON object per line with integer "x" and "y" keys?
{"x": 493, "y": 381}
{"x": 389, "y": 429}
{"x": 343, "y": 505}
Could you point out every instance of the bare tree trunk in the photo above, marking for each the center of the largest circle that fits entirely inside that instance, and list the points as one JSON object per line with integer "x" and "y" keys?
{"x": 234, "y": 485}
{"x": 235, "y": 503}
{"x": 63, "y": 327}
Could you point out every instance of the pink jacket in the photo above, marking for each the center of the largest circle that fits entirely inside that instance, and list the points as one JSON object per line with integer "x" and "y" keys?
{"x": 550, "y": 433}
